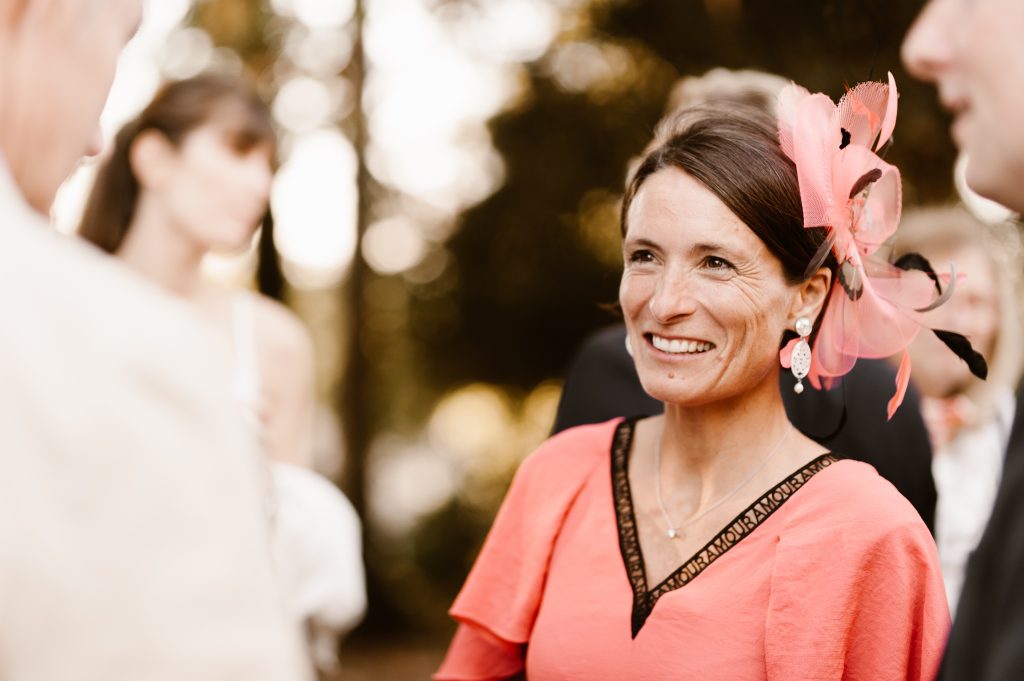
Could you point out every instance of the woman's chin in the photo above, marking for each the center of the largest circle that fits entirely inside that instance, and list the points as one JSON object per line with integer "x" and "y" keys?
{"x": 700, "y": 388}
{"x": 677, "y": 389}
{"x": 230, "y": 246}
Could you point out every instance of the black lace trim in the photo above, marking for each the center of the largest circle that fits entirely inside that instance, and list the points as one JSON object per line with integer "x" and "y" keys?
{"x": 740, "y": 526}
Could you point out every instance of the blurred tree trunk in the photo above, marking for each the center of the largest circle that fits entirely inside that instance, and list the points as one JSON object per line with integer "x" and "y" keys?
{"x": 354, "y": 406}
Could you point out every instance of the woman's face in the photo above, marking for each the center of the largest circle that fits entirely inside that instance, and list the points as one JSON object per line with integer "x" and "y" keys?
{"x": 212, "y": 191}
{"x": 704, "y": 299}
{"x": 973, "y": 311}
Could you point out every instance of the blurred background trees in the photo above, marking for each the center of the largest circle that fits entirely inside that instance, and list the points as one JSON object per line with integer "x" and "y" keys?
{"x": 445, "y": 218}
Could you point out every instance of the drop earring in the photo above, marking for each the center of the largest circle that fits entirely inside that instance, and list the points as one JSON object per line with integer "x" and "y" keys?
{"x": 629, "y": 347}
{"x": 800, "y": 361}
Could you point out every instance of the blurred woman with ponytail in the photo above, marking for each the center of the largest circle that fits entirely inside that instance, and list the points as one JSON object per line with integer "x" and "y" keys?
{"x": 190, "y": 176}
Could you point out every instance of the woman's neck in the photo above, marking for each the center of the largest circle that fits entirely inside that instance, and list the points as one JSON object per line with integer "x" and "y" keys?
{"x": 717, "y": 444}
{"x": 158, "y": 250}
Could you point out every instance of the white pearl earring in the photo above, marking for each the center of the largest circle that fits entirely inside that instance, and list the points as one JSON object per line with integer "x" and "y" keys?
{"x": 800, "y": 361}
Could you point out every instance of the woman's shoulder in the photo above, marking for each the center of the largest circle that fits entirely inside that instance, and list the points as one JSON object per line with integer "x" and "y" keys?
{"x": 851, "y": 498}
{"x": 280, "y": 331}
{"x": 855, "y": 570}
{"x": 505, "y": 587}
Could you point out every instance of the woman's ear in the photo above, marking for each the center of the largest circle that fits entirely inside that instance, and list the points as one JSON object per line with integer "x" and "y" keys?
{"x": 811, "y": 295}
{"x": 151, "y": 155}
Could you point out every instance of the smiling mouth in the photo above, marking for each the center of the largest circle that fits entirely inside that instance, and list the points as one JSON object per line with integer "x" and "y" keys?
{"x": 958, "y": 108}
{"x": 955, "y": 106}
{"x": 679, "y": 346}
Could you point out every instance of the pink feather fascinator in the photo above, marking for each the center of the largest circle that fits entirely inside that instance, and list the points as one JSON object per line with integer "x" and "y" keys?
{"x": 875, "y": 307}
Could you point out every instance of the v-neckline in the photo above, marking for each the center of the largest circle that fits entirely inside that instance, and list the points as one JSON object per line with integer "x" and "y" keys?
{"x": 729, "y": 536}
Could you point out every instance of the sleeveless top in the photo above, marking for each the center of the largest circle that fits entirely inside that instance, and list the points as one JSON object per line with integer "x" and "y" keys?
{"x": 315, "y": 531}
{"x": 247, "y": 386}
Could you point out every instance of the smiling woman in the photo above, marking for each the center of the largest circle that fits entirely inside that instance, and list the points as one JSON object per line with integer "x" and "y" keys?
{"x": 686, "y": 252}
{"x": 715, "y": 541}
{"x": 687, "y": 245}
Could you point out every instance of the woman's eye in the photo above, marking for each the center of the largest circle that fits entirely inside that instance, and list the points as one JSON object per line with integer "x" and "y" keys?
{"x": 641, "y": 256}
{"x": 715, "y": 263}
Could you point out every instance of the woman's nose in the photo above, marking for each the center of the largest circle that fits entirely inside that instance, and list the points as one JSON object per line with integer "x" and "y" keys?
{"x": 673, "y": 297}
{"x": 926, "y": 49}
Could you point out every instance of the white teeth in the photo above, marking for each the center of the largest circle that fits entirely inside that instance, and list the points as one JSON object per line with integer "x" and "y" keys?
{"x": 680, "y": 346}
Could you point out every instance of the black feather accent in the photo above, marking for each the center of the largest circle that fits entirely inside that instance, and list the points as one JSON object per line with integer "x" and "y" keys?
{"x": 956, "y": 342}
{"x": 916, "y": 261}
{"x": 849, "y": 279}
{"x": 846, "y": 138}
{"x": 865, "y": 180}
{"x": 959, "y": 344}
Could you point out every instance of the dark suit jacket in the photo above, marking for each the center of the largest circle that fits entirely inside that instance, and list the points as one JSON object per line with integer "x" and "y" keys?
{"x": 602, "y": 384}
{"x": 987, "y": 641}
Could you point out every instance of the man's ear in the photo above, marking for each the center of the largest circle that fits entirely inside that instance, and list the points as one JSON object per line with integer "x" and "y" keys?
{"x": 810, "y": 296}
{"x": 151, "y": 155}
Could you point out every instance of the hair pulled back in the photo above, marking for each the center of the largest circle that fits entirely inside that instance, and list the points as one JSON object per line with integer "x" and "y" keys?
{"x": 734, "y": 151}
{"x": 178, "y": 108}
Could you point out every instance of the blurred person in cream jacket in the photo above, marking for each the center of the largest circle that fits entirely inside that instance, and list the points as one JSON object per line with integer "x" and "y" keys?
{"x": 132, "y": 535}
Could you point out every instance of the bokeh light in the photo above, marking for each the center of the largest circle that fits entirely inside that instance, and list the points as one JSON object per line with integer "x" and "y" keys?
{"x": 314, "y": 203}
{"x": 407, "y": 480}
{"x": 393, "y": 245}
{"x": 317, "y": 13}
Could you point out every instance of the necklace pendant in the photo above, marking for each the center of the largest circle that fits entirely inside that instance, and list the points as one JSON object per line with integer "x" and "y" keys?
{"x": 672, "y": 534}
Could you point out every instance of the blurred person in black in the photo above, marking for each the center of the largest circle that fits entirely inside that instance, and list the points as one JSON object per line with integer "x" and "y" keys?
{"x": 850, "y": 418}
{"x": 973, "y": 52}
{"x": 968, "y": 419}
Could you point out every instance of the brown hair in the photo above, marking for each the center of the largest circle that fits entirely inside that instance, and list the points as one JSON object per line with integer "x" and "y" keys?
{"x": 734, "y": 151}
{"x": 178, "y": 108}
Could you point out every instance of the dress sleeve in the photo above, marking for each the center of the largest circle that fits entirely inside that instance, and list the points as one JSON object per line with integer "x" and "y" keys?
{"x": 317, "y": 549}
{"x": 498, "y": 604}
{"x": 860, "y": 600}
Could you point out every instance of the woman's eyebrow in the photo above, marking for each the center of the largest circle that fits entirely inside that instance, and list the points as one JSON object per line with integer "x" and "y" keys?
{"x": 640, "y": 241}
{"x": 701, "y": 248}
{"x": 713, "y": 247}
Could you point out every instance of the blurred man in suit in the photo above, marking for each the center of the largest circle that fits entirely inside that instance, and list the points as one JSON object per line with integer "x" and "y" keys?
{"x": 132, "y": 537}
{"x": 973, "y": 52}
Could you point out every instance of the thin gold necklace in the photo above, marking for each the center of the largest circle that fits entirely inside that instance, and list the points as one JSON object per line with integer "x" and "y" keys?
{"x": 673, "y": 529}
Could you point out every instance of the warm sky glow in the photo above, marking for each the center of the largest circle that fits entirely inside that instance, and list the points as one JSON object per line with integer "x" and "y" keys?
{"x": 434, "y": 83}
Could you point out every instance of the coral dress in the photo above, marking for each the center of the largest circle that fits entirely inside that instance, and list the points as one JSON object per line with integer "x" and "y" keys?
{"x": 829, "y": 575}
